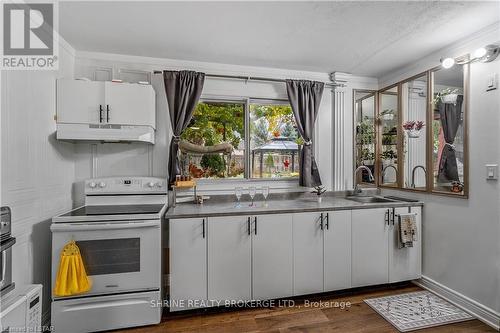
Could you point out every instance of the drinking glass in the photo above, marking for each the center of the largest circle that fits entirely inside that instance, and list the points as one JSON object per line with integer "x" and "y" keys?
{"x": 251, "y": 191}
{"x": 238, "y": 191}
{"x": 265, "y": 193}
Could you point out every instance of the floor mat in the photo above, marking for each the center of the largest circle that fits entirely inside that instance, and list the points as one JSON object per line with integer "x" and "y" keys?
{"x": 417, "y": 310}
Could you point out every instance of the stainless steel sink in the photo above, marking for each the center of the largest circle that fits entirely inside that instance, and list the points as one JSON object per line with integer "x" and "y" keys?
{"x": 364, "y": 199}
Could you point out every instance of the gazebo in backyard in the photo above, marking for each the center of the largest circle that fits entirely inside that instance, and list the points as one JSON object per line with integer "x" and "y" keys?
{"x": 280, "y": 145}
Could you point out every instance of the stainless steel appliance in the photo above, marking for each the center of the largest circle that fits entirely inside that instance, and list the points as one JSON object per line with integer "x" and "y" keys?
{"x": 5, "y": 228}
{"x": 6, "y": 243}
{"x": 118, "y": 232}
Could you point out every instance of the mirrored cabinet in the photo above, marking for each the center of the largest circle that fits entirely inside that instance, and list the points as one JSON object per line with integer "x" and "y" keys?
{"x": 413, "y": 135}
{"x": 388, "y": 121}
{"x": 449, "y": 130}
{"x": 365, "y": 138}
{"x": 414, "y": 132}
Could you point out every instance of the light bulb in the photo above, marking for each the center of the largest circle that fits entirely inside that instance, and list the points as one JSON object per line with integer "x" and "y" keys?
{"x": 447, "y": 62}
{"x": 480, "y": 52}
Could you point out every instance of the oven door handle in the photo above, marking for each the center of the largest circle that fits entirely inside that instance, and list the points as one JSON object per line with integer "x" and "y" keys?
{"x": 102, "y": 226}
{"x": 4, "y": 267}
{"x": 4, "y": 247}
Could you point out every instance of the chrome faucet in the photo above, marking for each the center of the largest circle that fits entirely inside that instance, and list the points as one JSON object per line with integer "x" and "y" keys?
{"x": 370, "y": 176}
{"x": 413, "y": 174}
{"x": 385, "y": 168}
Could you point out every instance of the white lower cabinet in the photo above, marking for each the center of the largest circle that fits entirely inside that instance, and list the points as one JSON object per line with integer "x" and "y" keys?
{"x": 405, "y": 264}
{"x": 307, "y": 253}
{"x": 272, "y": 251}
{"x": 337, "y": 250}
{"x": 322, "y": 252}
{"x": 188, "y": 263}
{"x": 271, "y": 256}
{"x": 229, "y": 258}
{"x": 370, "y": 247}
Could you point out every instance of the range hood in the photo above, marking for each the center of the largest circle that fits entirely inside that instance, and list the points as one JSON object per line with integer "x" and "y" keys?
{"x": 106, "y": 132}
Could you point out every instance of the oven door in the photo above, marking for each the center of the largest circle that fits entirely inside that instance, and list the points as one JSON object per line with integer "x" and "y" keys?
{"x": 118, "y": 256}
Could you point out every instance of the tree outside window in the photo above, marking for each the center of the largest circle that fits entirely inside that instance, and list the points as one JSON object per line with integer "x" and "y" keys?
{"x": 273, "y": 145}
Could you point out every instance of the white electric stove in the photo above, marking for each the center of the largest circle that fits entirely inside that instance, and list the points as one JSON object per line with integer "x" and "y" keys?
{"x": 118, "y": 231}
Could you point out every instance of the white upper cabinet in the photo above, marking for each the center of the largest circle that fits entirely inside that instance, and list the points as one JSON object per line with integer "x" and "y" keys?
{"x": 92, "y": 102}
{"x": 337, "y": 250}
{"x": 405, "y": 264}
{"x": 129, "y": 104}
{"x": 229, "y": 258}
{"x": 272, "y": 252}
{"x": 370, "y": 247}
{"x": 80, "y": 102}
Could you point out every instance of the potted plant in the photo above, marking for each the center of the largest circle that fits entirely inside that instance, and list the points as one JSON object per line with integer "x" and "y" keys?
{"x": 367, "y": 157}
{"x": 319, "y": 190}
{"x": 413, "y": 127}
{"x": 447, "y": 95}
{"x": 388, "y": 155}
{"x": 387, "y": 114}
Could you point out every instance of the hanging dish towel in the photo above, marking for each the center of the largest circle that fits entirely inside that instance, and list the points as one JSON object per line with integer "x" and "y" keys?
{"x": 71, "y": 278}
{"x": 407, "y": 234}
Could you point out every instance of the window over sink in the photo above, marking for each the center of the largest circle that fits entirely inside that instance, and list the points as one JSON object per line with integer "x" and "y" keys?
{"x": 241, "y": 139}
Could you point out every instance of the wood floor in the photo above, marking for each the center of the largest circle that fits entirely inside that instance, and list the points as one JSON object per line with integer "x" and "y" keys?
{"x": 324, "y": 318}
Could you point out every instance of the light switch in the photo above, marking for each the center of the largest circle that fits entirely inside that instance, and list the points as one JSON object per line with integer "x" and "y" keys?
{"x": 491, "y": 82}
{"x": 491, "y": 171}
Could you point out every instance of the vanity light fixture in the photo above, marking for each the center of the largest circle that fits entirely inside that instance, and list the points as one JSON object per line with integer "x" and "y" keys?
{"x": 447, "y": 62}
{"x": 482, "y": 54}
{"x": 490, "y": 53}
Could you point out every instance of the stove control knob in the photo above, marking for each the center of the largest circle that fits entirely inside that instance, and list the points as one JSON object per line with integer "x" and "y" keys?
{"x": 151, "y": 184}
{"x": 92, "y": 184}
{"x": 102, "y": 184}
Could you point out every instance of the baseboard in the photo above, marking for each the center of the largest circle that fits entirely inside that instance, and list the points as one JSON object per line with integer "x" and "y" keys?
{"x": 481, "y": 312}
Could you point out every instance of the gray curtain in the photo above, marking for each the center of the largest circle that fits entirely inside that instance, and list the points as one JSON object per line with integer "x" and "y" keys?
{"x": 183, "y": 90}
{"x": 451, "y": 118}
{"x": 305, "y": 97}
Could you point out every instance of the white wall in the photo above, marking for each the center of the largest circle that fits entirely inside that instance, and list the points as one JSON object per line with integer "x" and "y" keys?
{"x": 37, "y": 171}
{"x": 461, "y": 237}
{"x": 135, "y": 159}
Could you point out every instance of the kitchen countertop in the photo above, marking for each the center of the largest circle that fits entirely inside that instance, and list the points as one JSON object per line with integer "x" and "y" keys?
{"x": 289, "y": 203}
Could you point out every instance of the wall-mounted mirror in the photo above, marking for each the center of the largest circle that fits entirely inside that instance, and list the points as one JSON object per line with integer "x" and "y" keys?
{"x": 414, "y": 129}
{"x": 364, "y": 131}
{"x": 449, "y": 137}
{"x": 388, "y": 119}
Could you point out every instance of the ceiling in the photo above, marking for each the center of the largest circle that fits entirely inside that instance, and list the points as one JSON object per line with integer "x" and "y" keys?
{"x": 363, "y": 38}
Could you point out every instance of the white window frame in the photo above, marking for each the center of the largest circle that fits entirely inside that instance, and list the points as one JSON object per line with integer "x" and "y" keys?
{"x": 284, "y": 182}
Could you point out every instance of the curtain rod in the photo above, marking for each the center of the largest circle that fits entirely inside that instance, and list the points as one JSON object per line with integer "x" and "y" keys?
{"x": 256, "y": 78}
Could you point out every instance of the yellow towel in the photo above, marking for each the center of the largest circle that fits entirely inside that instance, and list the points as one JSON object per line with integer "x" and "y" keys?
{"x": 71, "y": 277}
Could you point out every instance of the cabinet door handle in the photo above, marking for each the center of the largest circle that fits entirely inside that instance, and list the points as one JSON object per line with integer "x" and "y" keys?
{"x": 255, "y": 220}
{"x": 321, "y": 221}
{"x": 387, "y": 216}
{"x": 327, "y": 221}
{"x": 100, "y": 113}
{"x": 393, "y": 215}
{"x": 248, "y": 226}
{"x": 203, "y": 228}
{"x": 107, "y": 113}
